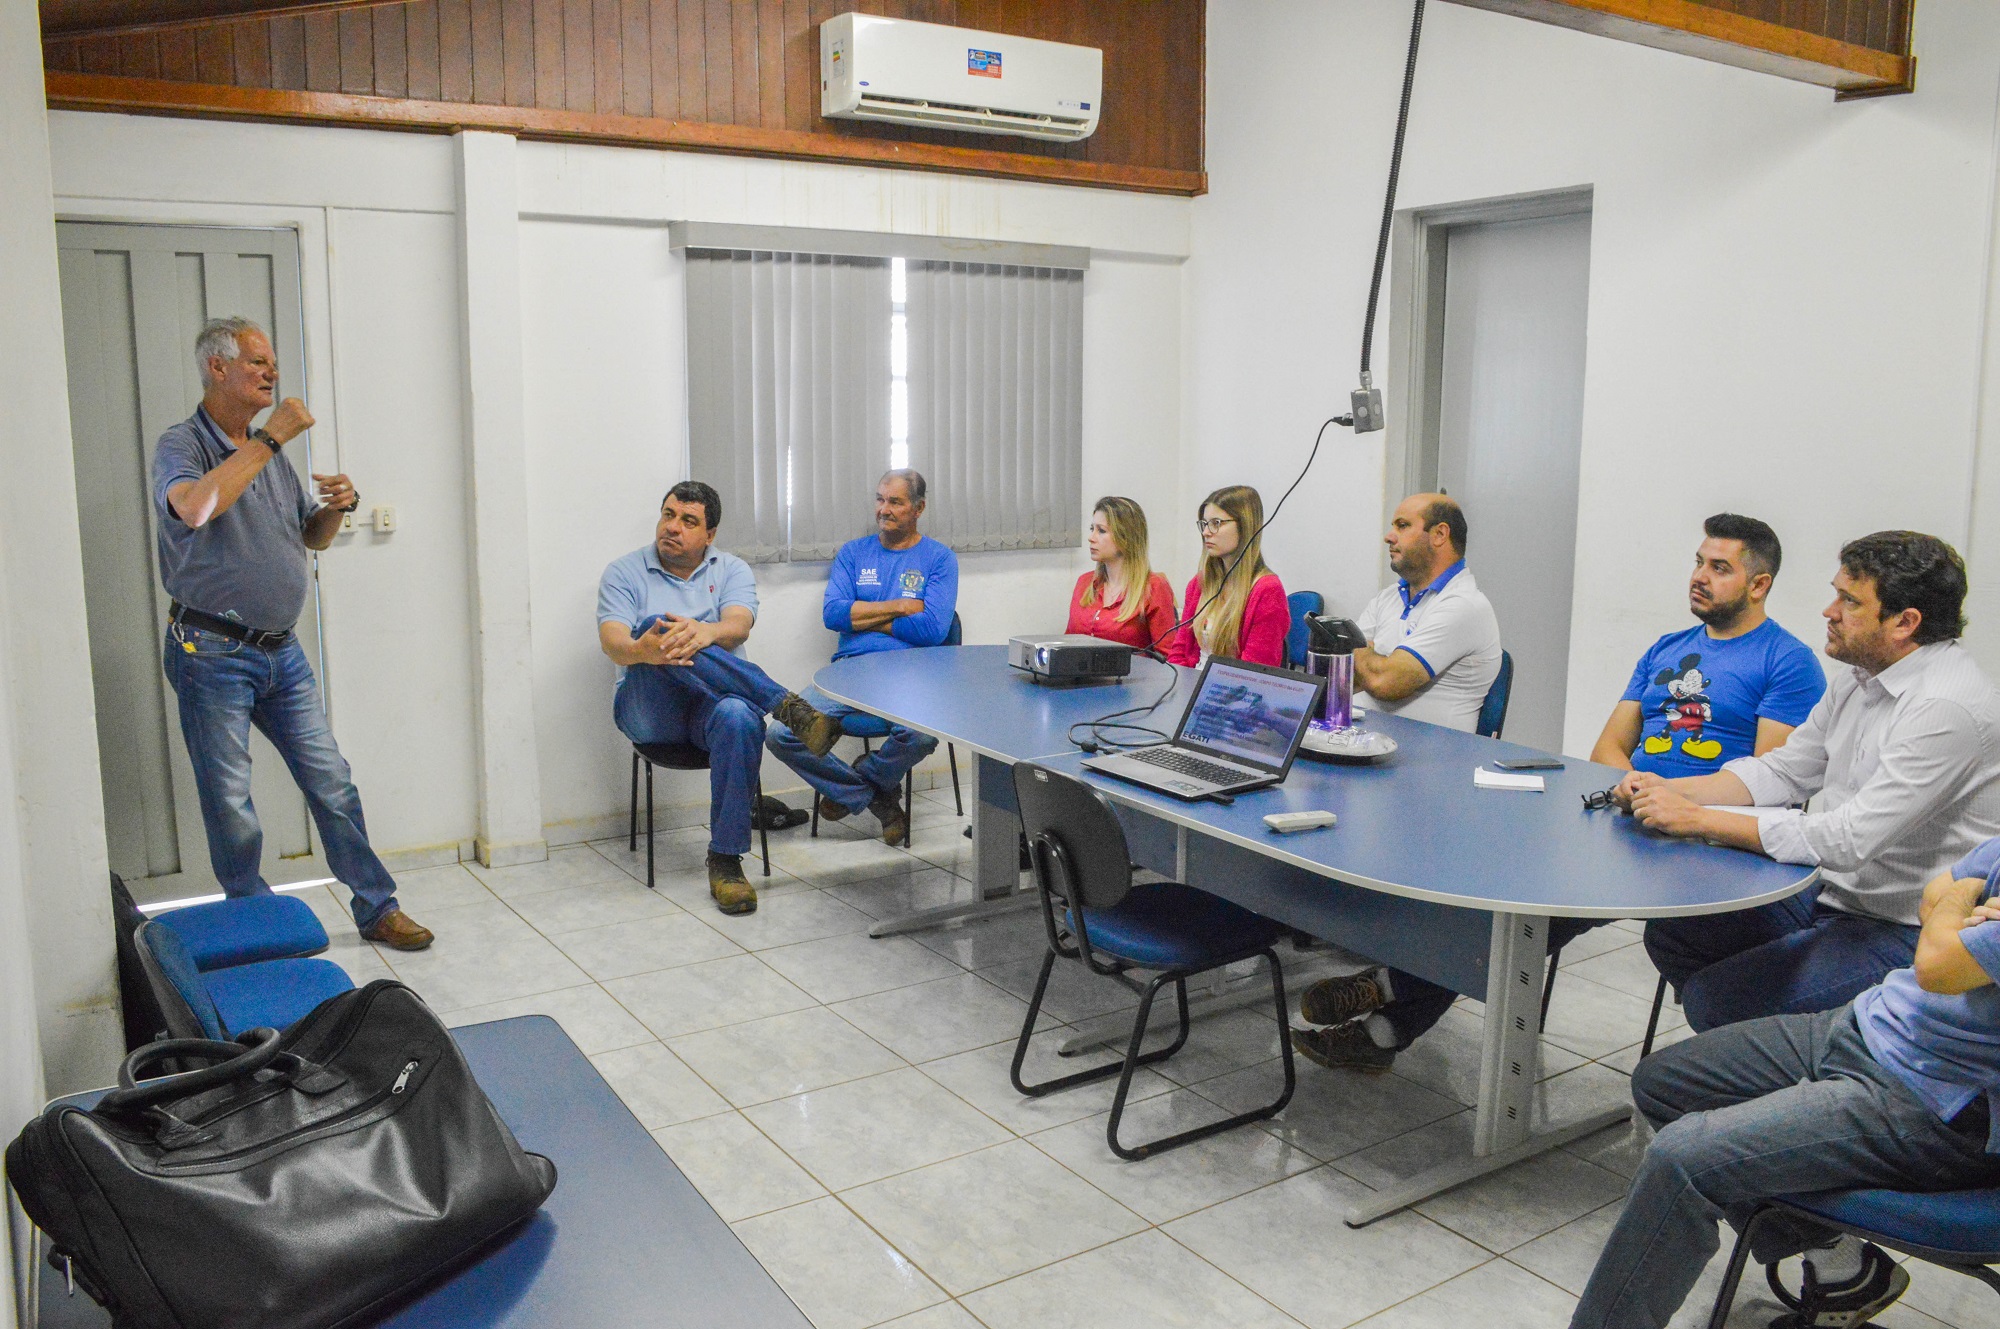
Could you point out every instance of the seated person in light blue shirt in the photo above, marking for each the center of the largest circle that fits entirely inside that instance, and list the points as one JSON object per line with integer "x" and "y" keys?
{"x": 891, "y": 591}
{"x": 674, "y": 617}
{"x": 1900, "y": 1089}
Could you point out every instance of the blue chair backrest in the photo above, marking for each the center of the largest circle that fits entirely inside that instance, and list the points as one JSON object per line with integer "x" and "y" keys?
{"x": 1301, "y": 603}
{"x": 177, "y": 983}
{"x": 1493, "y": 711}
{"x": 955, "y": 634}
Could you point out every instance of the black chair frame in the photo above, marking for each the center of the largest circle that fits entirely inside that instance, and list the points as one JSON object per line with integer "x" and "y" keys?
{"x": 1652, "y": 1021}
{"x": 1052, "y": 856}
{"x": 640, "y": 758}
{"x": 1971, "y": 1264}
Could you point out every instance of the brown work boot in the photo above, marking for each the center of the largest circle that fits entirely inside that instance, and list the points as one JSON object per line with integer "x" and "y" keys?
{"x": 815, "y": 728}
{"x": 888, "y": 809}
{"x": 732, "y": 890}
{"x": 399, "y": 931}
{"x": 1338, "y": 1000}
{"x": 832, "y": 811}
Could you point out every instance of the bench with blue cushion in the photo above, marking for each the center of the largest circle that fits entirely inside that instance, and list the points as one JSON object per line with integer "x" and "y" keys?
{"x": 225, "y": 1002}
{"x": 224, "y": 933}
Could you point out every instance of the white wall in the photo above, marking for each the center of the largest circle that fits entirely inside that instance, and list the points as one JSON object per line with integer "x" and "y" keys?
{"x": 603, "y": 407}
{"x": 606, "y": 404}
{"x": 55, "y": 909}
{"x": 1787, "y": 296}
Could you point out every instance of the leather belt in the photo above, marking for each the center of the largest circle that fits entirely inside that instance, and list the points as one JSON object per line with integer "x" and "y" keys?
{"x": 226, "y": 627}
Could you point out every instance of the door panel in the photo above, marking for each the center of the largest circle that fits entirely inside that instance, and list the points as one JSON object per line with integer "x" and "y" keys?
{"x": 133, "y": 299}
{"x": 1510, "y": 435}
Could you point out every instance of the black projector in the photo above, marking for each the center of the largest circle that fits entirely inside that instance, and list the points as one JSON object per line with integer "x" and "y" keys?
{"x": 1069, "y": 659}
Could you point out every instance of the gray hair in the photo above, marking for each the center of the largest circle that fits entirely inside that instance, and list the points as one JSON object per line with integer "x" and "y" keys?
{"x": 218, "y": 337}
{"x": 913, "y": 481}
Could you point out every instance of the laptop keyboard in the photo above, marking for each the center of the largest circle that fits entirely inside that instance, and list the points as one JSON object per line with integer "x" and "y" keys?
{"x": 1183, "y": 763}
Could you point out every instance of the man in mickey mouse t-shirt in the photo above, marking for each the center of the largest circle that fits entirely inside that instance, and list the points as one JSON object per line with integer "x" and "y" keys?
{"x": 1734, "y": 685}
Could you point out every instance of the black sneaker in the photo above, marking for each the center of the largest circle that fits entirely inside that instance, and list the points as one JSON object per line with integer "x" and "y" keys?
{"x": 1338, "y": 1000}
{"x": 1845, "y": 1305}
{"x": 1344, "y": 1047}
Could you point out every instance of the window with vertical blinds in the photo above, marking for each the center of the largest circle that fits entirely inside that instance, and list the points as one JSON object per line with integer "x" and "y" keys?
{"x": 811, "y": 371}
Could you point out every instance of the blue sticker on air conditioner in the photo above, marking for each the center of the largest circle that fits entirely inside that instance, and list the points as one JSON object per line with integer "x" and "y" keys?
{"x": 984, "y": 64}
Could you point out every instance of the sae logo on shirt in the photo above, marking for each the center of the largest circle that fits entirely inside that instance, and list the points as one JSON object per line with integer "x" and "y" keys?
{"x": 913, "y": 584}
{"x": 867, "y": 577}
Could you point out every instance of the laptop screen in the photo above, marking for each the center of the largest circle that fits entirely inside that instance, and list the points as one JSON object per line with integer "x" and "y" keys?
{"x": 1248, "y": 714}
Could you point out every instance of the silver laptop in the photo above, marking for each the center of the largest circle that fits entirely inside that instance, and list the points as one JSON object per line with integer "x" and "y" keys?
{"x": 1240, "y": 731}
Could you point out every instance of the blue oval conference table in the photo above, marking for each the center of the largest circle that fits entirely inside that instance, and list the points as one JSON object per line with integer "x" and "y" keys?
{"x": 1423, "y": 871}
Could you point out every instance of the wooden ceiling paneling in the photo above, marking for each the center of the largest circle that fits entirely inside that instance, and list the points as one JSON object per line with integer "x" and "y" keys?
{"x": 749, "y": 64}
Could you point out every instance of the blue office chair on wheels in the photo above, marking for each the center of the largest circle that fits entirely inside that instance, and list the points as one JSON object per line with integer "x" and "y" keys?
{"x": 868, "y": 728}
{"x": 1301, "y": 603}
{"x": 1952, "y": 1229}
{"x": 1097, "y": 916}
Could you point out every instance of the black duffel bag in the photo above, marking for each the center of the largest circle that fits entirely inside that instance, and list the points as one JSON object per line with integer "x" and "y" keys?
{"x": 309, "y": 1180}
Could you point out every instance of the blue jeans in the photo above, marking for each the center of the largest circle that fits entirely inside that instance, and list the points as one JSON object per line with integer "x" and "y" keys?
{"x": 717, "y": 703}
{"x": 852, "y": 787}
{"x": 1777, "y": 1106}
{"x": 226, "y": 686}
{"x": 1794, "y": 956}
{"x": 1420, "y": 1003}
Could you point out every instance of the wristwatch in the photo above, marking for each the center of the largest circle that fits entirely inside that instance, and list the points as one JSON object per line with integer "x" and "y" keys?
{"x": 264, "y": 436}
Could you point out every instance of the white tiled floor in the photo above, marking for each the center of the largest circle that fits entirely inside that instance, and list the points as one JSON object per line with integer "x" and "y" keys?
{"x": 844, "y": 1103}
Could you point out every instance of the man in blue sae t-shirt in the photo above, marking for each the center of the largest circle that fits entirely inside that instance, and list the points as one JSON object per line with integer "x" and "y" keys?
{"x": 1896, "y": 1090}
{"x": 891, "y": 591}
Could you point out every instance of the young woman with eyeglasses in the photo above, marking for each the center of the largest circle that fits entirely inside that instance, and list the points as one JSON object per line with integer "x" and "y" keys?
{"x": 1244, "y": 615}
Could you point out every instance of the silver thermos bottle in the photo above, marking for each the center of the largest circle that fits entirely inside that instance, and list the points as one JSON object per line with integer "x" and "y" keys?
{"x": 1330, "y": 654}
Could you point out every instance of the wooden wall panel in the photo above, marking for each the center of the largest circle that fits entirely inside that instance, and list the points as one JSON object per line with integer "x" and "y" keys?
{"x": 746, "y": 64}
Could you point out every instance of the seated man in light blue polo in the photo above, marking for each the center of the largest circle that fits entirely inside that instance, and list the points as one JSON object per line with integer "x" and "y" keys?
{"x": 892, "y": 591}
{"x": 674, "y": 617}
{"x": 1898, "y": 1089}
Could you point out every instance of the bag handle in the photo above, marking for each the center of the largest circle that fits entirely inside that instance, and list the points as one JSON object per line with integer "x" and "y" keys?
{"x": 253, "y": 1051}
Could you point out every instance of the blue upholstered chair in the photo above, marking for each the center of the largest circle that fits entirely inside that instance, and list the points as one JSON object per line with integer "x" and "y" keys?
{"x": 1954, "y": 1229}
{"x": 1098, "y": 917}
{"x": 222, "y": 1003}
{"x": 1493, "y": 711}
{"x": 1301, "y": 603}
{"x": 869, "y": 728}
{"x": 225, "y": 933}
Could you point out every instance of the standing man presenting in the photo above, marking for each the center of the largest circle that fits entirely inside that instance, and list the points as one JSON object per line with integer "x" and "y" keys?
{"x": 235, "y": 526}
{"x": 891, "y": 591}
{"x": 673, "y": 617}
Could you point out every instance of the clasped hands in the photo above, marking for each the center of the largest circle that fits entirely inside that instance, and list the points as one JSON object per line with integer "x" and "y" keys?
{"x": 673, "y": 640}
{"x": 1656, "y": 806}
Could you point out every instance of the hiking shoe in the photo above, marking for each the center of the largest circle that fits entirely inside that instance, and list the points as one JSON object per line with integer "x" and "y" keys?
{"x": 732, "y": 890}
{"x": 398, "y": 931}
{"x": 832, "y": 811}
{"x": 815, "y": 728}
{"x": 888, "y": 809}
{"x": 1843, "y": 1305}
{"x": 1344, "y": 1047}
{"x": 1338, "y": 1000}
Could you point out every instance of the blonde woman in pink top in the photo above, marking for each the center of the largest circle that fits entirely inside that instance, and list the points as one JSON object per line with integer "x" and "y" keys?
{"x": 1246, "y": 616}
{"x": 1121, "y": 598}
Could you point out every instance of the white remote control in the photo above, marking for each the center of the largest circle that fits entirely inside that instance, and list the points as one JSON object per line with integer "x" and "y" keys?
{"x": 1285, "y": 823}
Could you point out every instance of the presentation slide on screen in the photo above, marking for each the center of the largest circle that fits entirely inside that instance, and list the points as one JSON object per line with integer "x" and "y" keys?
{"x": 1248, "y": 715}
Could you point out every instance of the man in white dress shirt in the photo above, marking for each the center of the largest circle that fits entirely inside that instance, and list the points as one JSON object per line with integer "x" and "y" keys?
{"x": 1433, "y": 652}
{"x": 1901, "y": 758}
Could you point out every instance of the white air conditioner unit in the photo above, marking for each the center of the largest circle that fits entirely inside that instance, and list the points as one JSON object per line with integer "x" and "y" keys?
{"x": 927, "y": 74}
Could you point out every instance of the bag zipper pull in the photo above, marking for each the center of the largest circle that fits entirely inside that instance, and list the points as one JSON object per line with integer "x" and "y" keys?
{"x": 69, "y": 1273}
{"x": 403, "y": 1080}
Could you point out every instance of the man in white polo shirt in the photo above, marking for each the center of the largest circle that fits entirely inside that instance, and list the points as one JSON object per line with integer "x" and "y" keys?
{"x": 1433, "y": 651}
{"x": 1433, "y": 642}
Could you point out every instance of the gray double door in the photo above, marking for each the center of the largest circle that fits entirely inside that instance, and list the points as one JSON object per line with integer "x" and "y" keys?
{"x": 134, "y": 298}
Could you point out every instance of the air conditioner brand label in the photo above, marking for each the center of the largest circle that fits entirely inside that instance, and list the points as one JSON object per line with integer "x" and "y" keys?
{"x": 985, "y": 64}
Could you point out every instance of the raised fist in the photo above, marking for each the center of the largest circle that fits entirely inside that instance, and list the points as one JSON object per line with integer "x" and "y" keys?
{"x": 289, "y": 421}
